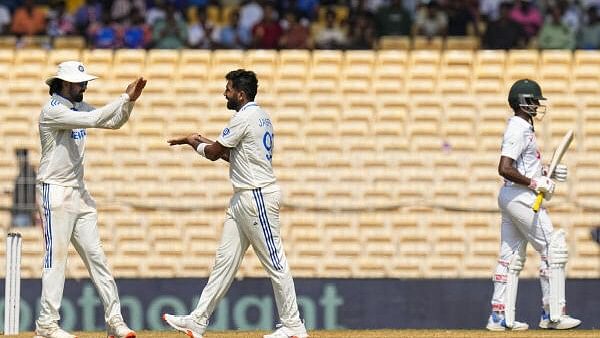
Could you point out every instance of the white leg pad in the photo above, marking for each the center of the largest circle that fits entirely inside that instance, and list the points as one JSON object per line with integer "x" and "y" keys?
{"x": 512, "y": 285}
{"x": 558, "y": 256}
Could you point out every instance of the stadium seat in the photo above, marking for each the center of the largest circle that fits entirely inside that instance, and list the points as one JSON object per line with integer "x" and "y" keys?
{"x": 224, "y": 61}
{"x": 56, "y": 56}
{"x": 129, "y": 64}
{"x": 462, "y": 43}
{"x": 8, "y": 42}
{"x": 6, "y": 62}
{"x": 194, "y": 66}
{"x": 555, "y": 67}
{"x": 423, "y": 72}
{"x": 366, "y": 177}
{"x": 521, "y": 64}
{"x": 69, "y": 42}
{"x": 263, "y": 63}
{"x": 489, "y": 72}
{"x": 563, "y": 114}
{"x": 29, "y": 64}
{"x": 424, "y": 43}
{"x": 326, "y": 65}
{"x": 162, "y": 64}
{"x": 99, "y": 62}
{"x": 394, "y": 43}
{"x": 586, "y": 73}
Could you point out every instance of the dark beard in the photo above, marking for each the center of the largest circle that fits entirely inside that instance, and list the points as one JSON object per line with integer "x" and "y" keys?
{"x": 233, "y": 105}
{"x": 78, "y": 98}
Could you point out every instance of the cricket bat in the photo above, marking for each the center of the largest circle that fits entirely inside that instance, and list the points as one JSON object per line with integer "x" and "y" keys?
{"x": 556, "y": 158}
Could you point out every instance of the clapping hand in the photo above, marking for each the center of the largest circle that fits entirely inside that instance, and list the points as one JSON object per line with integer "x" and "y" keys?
{"x": 134, "y": 89}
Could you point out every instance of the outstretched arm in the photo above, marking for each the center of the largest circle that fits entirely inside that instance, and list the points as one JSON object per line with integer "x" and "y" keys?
{"x": 212, "y": 151}
{"x": 112, "y": 116}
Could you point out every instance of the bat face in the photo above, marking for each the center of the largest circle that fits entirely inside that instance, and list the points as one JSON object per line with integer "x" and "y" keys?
{"x": 560, "y": 151}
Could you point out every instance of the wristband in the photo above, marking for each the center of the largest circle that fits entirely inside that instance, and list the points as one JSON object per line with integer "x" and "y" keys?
{"x": 200, "y": 149}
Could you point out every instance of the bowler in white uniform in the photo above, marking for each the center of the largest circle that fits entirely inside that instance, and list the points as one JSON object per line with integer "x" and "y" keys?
{"x": 253, "y": 214}
{"x": 67, "y": 209}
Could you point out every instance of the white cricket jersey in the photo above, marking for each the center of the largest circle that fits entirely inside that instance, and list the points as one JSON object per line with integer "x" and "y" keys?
{"x": 62, "y": 135}
{"x": 519, "y": 143}
{"x": 249, "y": 135}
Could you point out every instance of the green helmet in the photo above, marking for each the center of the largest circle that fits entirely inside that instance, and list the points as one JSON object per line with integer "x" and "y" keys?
{"x": 525, "y": 94}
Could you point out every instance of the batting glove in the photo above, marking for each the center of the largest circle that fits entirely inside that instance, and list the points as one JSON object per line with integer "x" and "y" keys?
{"x": 544, "y": 185}
{"x": 560, "y": 173}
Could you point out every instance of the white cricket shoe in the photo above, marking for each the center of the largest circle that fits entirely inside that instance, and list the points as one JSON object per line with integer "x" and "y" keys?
{"x": 496, "y": 322}
{"x": 564, "y": 323}
{"x": 116, "y": 328}
{"x": 51, "y": 331}
{"x": 185, "y": 324}
{"x": 286, "y": 332}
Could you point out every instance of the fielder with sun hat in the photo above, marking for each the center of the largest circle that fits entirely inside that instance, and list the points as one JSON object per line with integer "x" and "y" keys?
{"x": 67, "y": 209}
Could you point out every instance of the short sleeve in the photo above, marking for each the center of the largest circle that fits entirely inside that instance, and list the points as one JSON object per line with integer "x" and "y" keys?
{"x": 512, "y": 143}
{"x": 234, "y": 132}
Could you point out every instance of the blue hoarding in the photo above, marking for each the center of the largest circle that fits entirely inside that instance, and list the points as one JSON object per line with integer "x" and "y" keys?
{"x": 324, "y": 303}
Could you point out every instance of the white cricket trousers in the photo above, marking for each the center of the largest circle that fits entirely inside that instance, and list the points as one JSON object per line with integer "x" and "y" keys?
{"x": 520, "y": 225}
{"x": 251, "y": 219}
{"x": 69, "y": 214}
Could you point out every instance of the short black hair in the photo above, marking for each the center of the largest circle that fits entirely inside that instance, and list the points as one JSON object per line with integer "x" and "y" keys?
{"x": 55, "y": 86}
{"x": 244, "y": 80}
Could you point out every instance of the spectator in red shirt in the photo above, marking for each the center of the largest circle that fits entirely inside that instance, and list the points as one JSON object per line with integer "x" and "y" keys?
{"x": 28, "y": 20}
{"x": 295, "y": 35}
{"x": 267, "y": 32}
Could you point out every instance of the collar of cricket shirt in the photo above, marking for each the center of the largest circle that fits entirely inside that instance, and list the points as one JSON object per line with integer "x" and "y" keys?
{"x": 248, "y": 104}
{"x": 64, "y": 101}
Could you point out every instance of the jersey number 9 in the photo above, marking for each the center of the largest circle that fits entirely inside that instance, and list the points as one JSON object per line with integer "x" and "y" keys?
{"x": 268, "y": 143}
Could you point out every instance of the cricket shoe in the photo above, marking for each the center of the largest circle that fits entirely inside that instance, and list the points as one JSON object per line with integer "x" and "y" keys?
{"x": 185, "y": 324}
{"x": 51, "y": 331}
{"x": 116, "y": 328}
{"x": 496, "y": 322}
{"x": 564, "y": 323}
{"x": 286, "y": 332}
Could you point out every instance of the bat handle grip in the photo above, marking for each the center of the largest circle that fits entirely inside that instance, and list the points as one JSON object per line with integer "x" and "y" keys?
{"x": 538, "y": 202}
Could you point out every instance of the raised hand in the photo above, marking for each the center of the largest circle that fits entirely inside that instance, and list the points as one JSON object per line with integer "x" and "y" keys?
{"x": 134, "y": 89}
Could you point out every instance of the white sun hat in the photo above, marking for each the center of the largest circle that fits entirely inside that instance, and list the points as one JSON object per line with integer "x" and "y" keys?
{"x": 71, "y": 71}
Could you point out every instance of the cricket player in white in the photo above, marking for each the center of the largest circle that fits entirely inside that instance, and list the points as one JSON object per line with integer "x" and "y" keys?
{"x": 68, "y": 211}
{"x": 524, "y": 177}
{"x": 253, "y": 214}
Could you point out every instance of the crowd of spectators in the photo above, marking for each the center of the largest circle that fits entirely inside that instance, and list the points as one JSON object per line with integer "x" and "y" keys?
{"x": 326, "y": 24}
